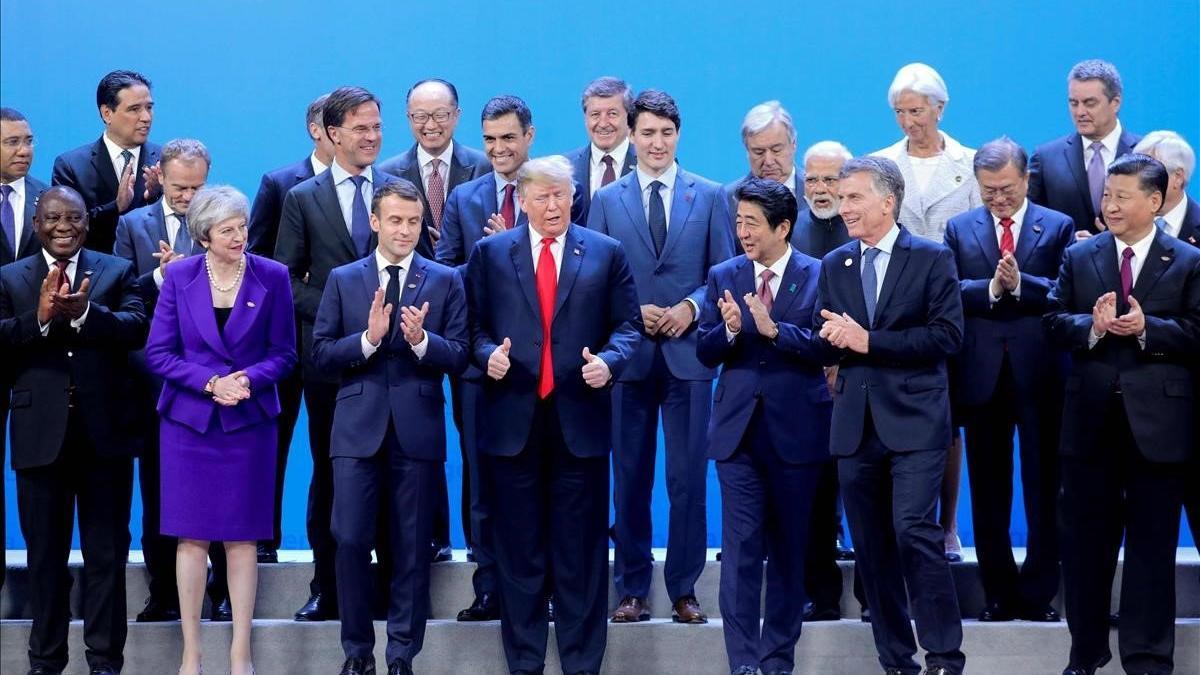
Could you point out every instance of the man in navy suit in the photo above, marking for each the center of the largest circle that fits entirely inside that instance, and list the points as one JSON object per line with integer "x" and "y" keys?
{"x": 1008, "y": 378}
{"x": 436, "y": 164}
{"x": 770, "y": 427}
{"x": 119, "y": 171}
{"x": 769, "y": 137}
{"x": 1067, "y": 174}
{"x": 674, "y": 226}
{"x": 151, "y": 238}
{"x": 263, "y": 230}
{"x": 326, "y": 224}
{"x": 19, "y": 191}
{"x": 69, "y": 317}
{"x": 390, "y": 325}
{"x": 891, "y": 316}
{"x": 609, "y": 155}
{"x": 554, "y": 318}
{"x": 1127, "y": 306}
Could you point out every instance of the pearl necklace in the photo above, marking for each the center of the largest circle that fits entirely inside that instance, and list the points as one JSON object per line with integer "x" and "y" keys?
{"x": 212, "y": 279}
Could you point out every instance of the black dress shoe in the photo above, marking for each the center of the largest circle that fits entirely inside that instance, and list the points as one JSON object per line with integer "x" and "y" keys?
{"x": 221, "y": 611}
{"x": 267, "y": 555}
{"x": 893, "y": 671}
{"x": 718, "y": 556}
{"x": 1043, "y": 614}
{"x": 439, "y": 553}
{"x": 485, "y": 608}
{"x": 43, "y": 670}
{"x": 865, "y": 616}
{"x": 744, "y": 670}
{"x": 1079, "y": 671}
{"x": 399, "y": 667}
{"x": 156, "y": 611}
{"x": 470, "y": 554}
{"x": 937, "y": 670}
{"x": 994, "y": 611}
{"x": 103, "y": 670}
{"x": 358, "y": 667}
{"x": 550, "y": 609}
{"x": 318, "y": 608}
{"x": 813, "y": 613}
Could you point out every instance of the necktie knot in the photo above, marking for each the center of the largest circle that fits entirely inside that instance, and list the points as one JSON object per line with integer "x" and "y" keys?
{"x": 358, "y": 181}
{"x": 767, "y": 275}
{"x": 434, "y": 164}
{"x": 607, "y": 161}
{"x": 869, "y": 255}
{"x": 547, "y": 241}
{"x": 394, "y": 271}
{"x": 610, "y": 173}
{"x": 1006, "y": 223}
{"x": 5, "y": 191}
{"x": 655, "y": 186}
{"x": 1127, "y": 254}
{"x": 1096, "y": 146}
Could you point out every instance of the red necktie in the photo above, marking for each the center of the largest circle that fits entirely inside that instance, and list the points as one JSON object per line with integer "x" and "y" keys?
{"x": 506, "y": 209}
{"x": 64, "y": 283}
{"x": 437, "y": 194}
{"x": 1006, "y": 239}
{"x": 547, "y": 290}
{"x": 764, "y": 290}
{"x": 610, "y": 174}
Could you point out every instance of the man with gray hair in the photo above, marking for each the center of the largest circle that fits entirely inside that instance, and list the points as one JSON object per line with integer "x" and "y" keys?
{"x": 770, "y": 140}
{"x": 1067, "y": 174}
{"x": 1009, "y": 378}
{"x": 606, "y": 104}
{"x": 1179, "y": 212}
{"x": 890, "y": 317}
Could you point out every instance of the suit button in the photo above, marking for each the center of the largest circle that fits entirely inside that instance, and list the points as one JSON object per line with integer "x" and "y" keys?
{"x": 70, "y": 354}
{"x": 537, "y": 343}
{"x": 762, "y": 363}
{"x": 863, "y": 385}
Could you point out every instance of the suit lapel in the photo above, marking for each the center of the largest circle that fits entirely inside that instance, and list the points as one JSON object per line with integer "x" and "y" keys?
{"x": 1073, "y": 153}
{"x": 1104, "y": 258}
{"x": 946, "y": 179}
{"x": 459, "y": 171}
{"x": 522, "y": 258}
{"x": 158, "y": 226}
{"x": 87, "y": 268}
{"x": 631, "y": 199}
{"x": 1031, "y": 233}
{"x": 630, "y": 160}
{"x": 247, "y": 305}
{"x": 895, "y": 268}
{"x": 413, "y": 281}
{"x": 1158, "y": 259}
{"x": 200, "y": 308}
{"x": 104, "y": 167}
{"x": 849, "y": 267}
{"x": 683, "y": 196}
{"x": 985, "y": 234}
{"x": 327, "y": 200}
{"x": 1187, "y": 229}
{"x": 572, "y": 260}
{"x": 793, "y": 279}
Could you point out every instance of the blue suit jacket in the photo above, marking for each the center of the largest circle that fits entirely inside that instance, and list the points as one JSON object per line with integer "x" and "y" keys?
{"x": 468, "y": 208}
{"x": 918, "y": 326}
{"x": 466, "y": 164}
{"x": 1190, "y": 229}
{"x": 596, "y": 307}
{"x": 29, "y": 243}
{"x": 392, "y": 379}
{"x": 263, "y": 228}
{"x": 697, "y": 238}
{"x": 1010, "y": 325}
{"x": 581, "y": 173}
{"x": 89, "y": 170}
{"x": 1058, "y": 177}
{"x": 785, "y": 373}
{"x": 185, "y": 347}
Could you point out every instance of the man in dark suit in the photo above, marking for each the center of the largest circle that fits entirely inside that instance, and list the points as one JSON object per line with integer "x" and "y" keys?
{"x": 770, "y": 427}
{"x": 436, "y": 165}
{"x": 69, "y": 317}
{"x": 390, "y": 325}
{"x": 554, "y": 318}
{"x": 1067, "y": 174}
{"x": 1127, "y": 306}
{"x": 263, "y": 230}
{"x": 769, "y": 137}
{"x": 606, "y": 105}
{"x": 151, "y": 238}
{"x": 674, "y": 226}
{"x": 119, "y": 171}
{"x": 326, "y": 224}
{"x": 891, "y": 316}
{"x": 18, "y": 190}
{"x": 1008, "y": 378}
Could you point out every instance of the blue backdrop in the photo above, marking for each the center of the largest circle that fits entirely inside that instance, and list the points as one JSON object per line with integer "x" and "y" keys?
{"x": 238, "y": 76}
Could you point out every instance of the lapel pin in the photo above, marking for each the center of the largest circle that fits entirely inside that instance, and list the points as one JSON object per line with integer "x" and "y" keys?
{"x": 412, "y": 285}
{"x": 249, "y": 303}
{"x": 958, "y": 179}
{"x": 849, "y": 262}
{"x": 577, "y": 252}
{"x": 1166, "y": 258}
{"x": 792, "y": 288}
{"x": 87, "y": 273}
{"x": 1191, "y": 240}
{"x": 1037, "y": 228}
{"x": 688, "y": 198}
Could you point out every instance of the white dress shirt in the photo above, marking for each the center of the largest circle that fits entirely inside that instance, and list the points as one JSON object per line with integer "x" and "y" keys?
{"x": 345, "y": 192}
{"x": 556, "y": 249}
{"x": 1174, "y": 218}
{"x": 1108, "y": 152}
{"x": 618, "y": 154}
{"x": 317, "y": 165}
{"x": 381, "y": 265}
{"x": 72, "y": 266}
{"x": 16, "y": 199}
{"x": 118, "y": 162}
{"x": 778, "y": 267}
{"x": 885, "y": 246}
{"x": 172, "y": 222}
{"x": 1017, "y": 218}
{"x": 667, "y": 191}
{"x": 425, "y": 162}
{"x": 792, "y": 184}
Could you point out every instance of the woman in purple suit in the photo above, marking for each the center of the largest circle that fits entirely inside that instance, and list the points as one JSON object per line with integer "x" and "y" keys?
{"x": 223, "y": 335}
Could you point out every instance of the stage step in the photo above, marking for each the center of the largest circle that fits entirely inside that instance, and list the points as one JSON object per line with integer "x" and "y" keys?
{"x": 659, "y": 646}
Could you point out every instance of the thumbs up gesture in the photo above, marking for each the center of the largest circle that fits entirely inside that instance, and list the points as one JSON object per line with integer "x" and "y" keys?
{"x": 498, "y": 362}
{"x": 595, "y": 370}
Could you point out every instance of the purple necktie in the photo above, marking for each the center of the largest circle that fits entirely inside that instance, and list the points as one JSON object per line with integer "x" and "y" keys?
{"x": 1126, "y": 273}
{"x": 8, "y": 219}
{"x": 610, "y": 173}
{"x": 1095, "y": 173}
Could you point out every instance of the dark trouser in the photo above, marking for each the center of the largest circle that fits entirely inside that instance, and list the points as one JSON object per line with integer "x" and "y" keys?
{"x": 402, "y": 486}
{"x": 319, "y": 401}
{"x": 1114, "y": 491}
{"x": 290, "y": 390}
{"x": 766, "y": 506}
{"x": 822, "y": 576}
{"x": 685, "y": 406}
{"x": 891, "y": 502}
{"x": 1191, "y": 499}
{"x": 990, "y": 429}
{"x": 549, "y": 513}
{"x": 46, "y": 501}
{"x": 157, "y": 549}
{"x": 464, "y": 397}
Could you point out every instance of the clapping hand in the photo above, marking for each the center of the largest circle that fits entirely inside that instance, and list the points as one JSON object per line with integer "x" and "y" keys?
{"x": 412, "y": 322}
{"x": 379, "y": 319}
{"x": 843, "y": 332}
{"x": 731, "y": 313}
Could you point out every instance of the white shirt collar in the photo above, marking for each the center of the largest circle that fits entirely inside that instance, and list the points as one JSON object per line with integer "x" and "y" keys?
{"x": 340, "y": 174}
{"x": 885, "y": 245}
{"x": 1141, "y": 247}
{"x": 318, "y": 166}
{"x": 18, "y": 187}
{"x": 1109, "y": 142}
{"x": 618, "y": 154}
{"x": 423, "y": 156}
{"x": 667, "y": 178}
{"x": 114, "y": 151}
{"x": 382, "y": 263}
{"x": 1174, "y": 217}
{"x": 790, "y": 183}
{"x": 1017, "y": 218}
{"x": 73, "y": 260}
{"x": 778, "y": 267}
{"x": 535, "y": 239}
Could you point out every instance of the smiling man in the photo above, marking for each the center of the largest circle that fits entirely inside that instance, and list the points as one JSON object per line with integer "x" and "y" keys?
{"x": 119, "y": 171}
{"x": 18, "y": 190}
{"x": 609, "y": 155}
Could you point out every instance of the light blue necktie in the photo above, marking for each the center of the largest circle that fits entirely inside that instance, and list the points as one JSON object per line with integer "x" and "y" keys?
{"x": 869, "y": 283}
{"x": 360, "y": 222}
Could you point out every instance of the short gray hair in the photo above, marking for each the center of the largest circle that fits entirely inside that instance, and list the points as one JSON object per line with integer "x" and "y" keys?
{"x": 551, "y": 169}
{"x": 764, "y": 115}
{"x": 831, "y": 149}
{"x": 603, "y": 87}
{"x": 919, "y": 79}
{"x": 1096, "y": 69}
{"x": 214, "y": 205}
{"x": 997, "y": 154}
{"x": 886, "y": 178}
{"x": 1169, "y": 148}
{"x": 184, "y": 150}
{"x": 315, "y": 110}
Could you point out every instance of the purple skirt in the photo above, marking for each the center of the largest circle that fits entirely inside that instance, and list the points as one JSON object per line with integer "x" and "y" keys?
{"x": 218, "y": 486}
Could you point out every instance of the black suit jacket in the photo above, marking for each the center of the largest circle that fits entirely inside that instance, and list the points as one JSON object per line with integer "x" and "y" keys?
{"x": 1156, "y": 381}
{"x": 1189, "y": 231}
{"x": 465, "y": 164}
{"x": 91, "y": 359}
{"x": 263, "y": 227}
{"x": 581, "y": 173}
{"x": 89, "y": 170}
{"x": 29, "y": 242}
{"x": 1058, "y": 177}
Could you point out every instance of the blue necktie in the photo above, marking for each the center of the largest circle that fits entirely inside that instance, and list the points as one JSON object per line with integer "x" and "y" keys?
{"x": 360, "y": 222}
{"x": 8, "y": 218}
{"x": 658, "y": 218}
{"x": 869, "y": 284}
{"x": 183, "y": 238}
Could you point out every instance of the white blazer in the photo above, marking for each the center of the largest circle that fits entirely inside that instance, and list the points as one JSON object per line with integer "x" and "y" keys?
{"x": 951, "y": 190}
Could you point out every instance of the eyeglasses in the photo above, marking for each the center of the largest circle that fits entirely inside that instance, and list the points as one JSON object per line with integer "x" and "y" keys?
{"x": 52, "y": 218}
{"x": 363, "y": 130}
{"x": 990, "y": 193}
{"x": 829, "y": 181}
{"x": 439, "y": 116}
{"x": 14, "y": 142}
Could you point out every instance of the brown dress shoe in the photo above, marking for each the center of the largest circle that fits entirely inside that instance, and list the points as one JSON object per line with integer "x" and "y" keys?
{"x": 687, "y": 610}
{"x": 630, "y": 610}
